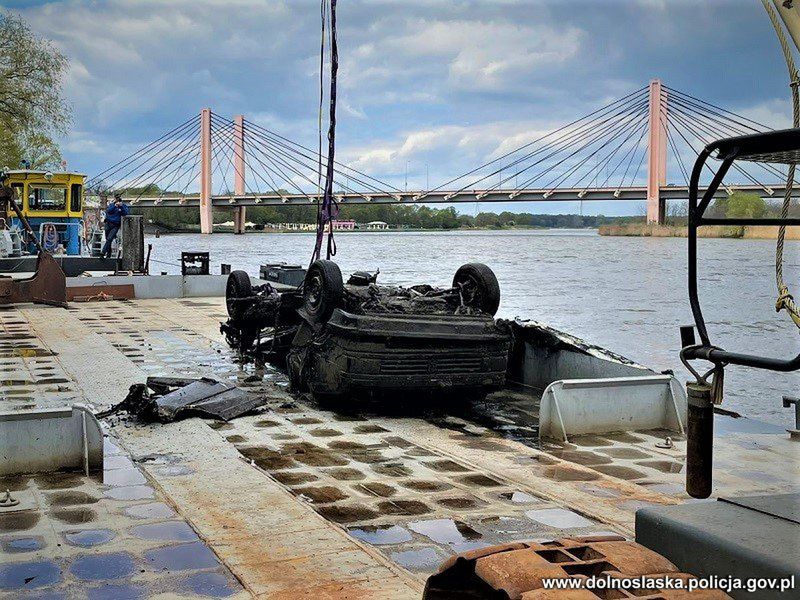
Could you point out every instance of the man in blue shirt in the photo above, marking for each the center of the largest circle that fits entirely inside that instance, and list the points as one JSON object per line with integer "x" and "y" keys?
{"x": 114, "y": 213}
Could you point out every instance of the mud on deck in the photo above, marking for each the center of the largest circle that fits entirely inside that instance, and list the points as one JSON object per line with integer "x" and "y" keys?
{"x": 301, "y": 499}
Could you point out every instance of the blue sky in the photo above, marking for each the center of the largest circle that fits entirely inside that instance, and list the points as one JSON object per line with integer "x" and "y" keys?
{"x": 438, "y": 86}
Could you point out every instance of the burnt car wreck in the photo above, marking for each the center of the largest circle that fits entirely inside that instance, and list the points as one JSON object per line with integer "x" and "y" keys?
{"x": 359, "y": 338}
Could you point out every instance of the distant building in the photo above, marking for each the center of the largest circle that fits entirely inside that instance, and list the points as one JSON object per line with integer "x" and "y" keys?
{"x": 377, "y": 225}
{"x": 344, "y": 225}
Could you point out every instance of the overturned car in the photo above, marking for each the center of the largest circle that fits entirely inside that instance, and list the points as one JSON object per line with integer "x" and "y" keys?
{"x": 363, "y": 339}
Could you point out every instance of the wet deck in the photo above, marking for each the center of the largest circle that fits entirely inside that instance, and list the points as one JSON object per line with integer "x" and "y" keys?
{"x": 302, "y": 500}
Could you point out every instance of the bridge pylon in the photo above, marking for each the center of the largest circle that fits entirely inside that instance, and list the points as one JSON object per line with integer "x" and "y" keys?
{"x": 206, "y": 208}
{"x": 240, "y": 212}
{"x": 656, "y": 154}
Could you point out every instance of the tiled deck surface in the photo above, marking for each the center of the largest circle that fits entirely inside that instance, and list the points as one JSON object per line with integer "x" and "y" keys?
{"x": 299, "y": 500}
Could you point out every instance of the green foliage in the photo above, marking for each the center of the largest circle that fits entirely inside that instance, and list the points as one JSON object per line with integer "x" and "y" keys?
{"x": 745, "y": 206}
{"x": 32, "y": 108}
{"x": 397, "y": 216}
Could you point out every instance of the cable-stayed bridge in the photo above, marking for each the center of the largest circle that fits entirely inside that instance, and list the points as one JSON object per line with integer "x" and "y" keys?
{"x": 622, "y": 151}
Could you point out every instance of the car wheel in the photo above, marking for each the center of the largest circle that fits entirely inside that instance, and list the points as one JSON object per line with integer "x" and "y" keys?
{"x": 479, "y": 287}
{"x": 238, "y": 287}
{"x": 323, "y": 290}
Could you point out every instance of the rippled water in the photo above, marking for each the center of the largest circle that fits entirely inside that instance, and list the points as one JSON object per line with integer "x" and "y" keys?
{"x": 626, "y": 294}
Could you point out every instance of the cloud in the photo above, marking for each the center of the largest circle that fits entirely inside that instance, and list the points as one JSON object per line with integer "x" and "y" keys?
{"x": 437, "y": 87}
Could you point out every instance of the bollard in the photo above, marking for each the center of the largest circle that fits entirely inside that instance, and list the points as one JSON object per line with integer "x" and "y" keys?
{"x": 132, "y": 244}
{"x": 699, "y": 440}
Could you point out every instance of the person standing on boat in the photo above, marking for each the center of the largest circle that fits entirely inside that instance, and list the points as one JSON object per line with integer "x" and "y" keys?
{"x": 114, "y": 213}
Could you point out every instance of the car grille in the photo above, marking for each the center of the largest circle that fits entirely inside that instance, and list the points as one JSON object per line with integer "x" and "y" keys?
{"x": 415, "y": 365}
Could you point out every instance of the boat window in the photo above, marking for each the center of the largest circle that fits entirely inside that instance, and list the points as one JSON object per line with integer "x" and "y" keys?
{"x": 47, "y": 198}
{"x": 75, "y": 193}
{"x": 17, "y": 187}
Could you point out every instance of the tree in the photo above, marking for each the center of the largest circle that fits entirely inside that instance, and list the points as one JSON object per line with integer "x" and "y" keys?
{"x": 746, "y": 206}
{"x": 32, "y": 108}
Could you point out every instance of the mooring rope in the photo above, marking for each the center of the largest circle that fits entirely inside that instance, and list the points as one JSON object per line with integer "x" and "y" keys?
{"x": 785, "y": 300}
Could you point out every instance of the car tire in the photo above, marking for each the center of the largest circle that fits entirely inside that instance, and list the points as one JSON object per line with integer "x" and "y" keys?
{"x": 238, "y": 286}
{"x": 480, "y": 286}
{"x": 323, "y": 290}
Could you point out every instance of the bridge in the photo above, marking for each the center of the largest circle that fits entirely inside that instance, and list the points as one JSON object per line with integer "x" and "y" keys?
{"x": 619, "y": 152}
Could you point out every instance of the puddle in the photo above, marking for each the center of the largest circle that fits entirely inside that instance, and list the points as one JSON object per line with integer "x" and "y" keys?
{"x": 519, "y": 497}
{"x": 518, "y": 528}
{"x": 582, "y": 457}
{"x": 392, "y": 469}
{"x": 347, "y": 474}
{"x": 600, "y": 492}
{"x": 121, "y": 477}
{"x": 347, "y": 514}
{"x": 59, "y": 481}
{"x": 422, "y": 559}
{"x": 99, "y": 567}
{"x": 269, "y": 460}
{"x": 398, "y": 442}
{"x": 620, "y": 472}
{"x": 74, "y": 516}
{"x": 18, "y": 545}
{"x": 29, "y": 575}
{"x": 446, "y": 466}
{"x": 455, "y": 534}
{"x": 381, "y": 534}
{"x": 480, "y": 480}
{"x": 558, "y": 518}
{"x": 291, "y": 478}
{"x": 89, "y": 537}
{"x": 489, "y": 445}
{"x": 152, "y": 510}
{"x": 624, "y": 437}
{"x": 312, "y": 455}
{"x": 220, "y": 425}
{"x": 404, "y": 507}
{"x": 117, "y": 592}
{"x": 567, "y": 473}
{"x": 591, "y": 440}
{"x": 181, "y": 557}
{"x": 18, "y": 521}
{"x": 236, "y": 439}
{"x": 306, "y": 421}
{"x": 425, "y": 486}
{"x": 373, "y": 488}
{"x": 213, "y": 585}
{"x": 459, "y": 503}
{"x": 369, "y": 429}
{"x": 321, "y": 495}
{"x": 664, "y": 466}
{"x": 632, "y": 453}
{"x": 15, "y": 483}
{"x": 133, "y": 492}
{"x": 168, "y": 531}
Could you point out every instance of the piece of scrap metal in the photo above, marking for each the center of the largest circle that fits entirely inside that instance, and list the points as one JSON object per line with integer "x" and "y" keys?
{"x": 47, "y": 286}
{"x": 173, "y": 398}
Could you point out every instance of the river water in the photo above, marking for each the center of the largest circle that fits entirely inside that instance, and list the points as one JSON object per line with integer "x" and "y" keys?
{"x": 625, "y": 294}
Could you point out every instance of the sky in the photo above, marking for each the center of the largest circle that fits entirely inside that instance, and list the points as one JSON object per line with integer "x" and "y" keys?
{"x": 433, "y": 87}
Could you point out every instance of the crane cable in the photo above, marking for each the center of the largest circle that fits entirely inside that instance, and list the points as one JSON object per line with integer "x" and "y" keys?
{"x": 785, "y": 299}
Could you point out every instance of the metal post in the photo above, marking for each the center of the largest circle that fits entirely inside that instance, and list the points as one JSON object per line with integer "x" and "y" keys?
{"x": 656, "y": 154}
{"x": 239, "y": 213}
{"x": 206, "y": 209}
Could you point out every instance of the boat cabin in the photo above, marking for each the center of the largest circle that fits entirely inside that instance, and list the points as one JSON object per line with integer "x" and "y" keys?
{"x": 53, "y": 205}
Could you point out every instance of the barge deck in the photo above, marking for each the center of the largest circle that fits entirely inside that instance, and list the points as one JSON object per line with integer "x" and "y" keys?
{"x": 302, "y": 500}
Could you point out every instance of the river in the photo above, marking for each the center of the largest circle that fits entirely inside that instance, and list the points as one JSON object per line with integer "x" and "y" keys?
{"x": 626, "y": 294}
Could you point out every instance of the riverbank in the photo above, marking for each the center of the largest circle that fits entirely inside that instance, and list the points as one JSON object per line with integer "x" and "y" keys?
{"x": 758, "y": 232}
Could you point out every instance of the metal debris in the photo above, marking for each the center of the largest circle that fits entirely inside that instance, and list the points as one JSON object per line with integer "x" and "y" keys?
{"x": 166, "y": 399}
